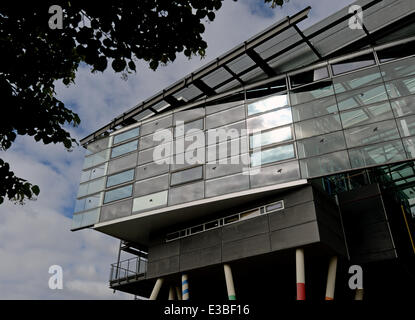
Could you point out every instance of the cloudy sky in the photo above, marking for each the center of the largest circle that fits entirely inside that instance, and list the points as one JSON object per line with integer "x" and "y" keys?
{"x": 36, "y": 235}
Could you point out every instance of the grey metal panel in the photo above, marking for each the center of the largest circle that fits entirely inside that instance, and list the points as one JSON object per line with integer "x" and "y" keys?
{"x": 298, "y": 195}
{"x": 150, "y": 201}
{"x": 155, "y": 154}
{"x": 374, "y": 256}
{"x": 152, "y": 126}
{"x": 150, "y": 170}
{"x": 123, "y": 163}
{"x": 374, "y": 238}
{"x": 236, "y": 129}
{"x": 98, "y": 145}
{"x": 225, "y": 117}
{"x": 201, "y": 240}
{"x": 223, "y": 106}
{"x": 226, "y": 149}
{"x": 200, "y": 258}
{"x": 225, "y": 185}
{"x": 164, "y": 250}
{"x": 279, "y": 173}
{"x": 245, "y": 229}
{"x": 188, "y": 115}
{"x": 163, "y": 267}
{"x": 332, "y": 239}
{"x": 245, "y": 247}
{"x": 116, "y": 210}
{"x": 298, "y": 235}
{"x": 188, "y": 159}
{"x": 292, "y": 216}
{"x": 156, "y": 139}
{"x": 151, "y": 185}
{"x": 215, "y": 170}
{"x": 186, "y": 193}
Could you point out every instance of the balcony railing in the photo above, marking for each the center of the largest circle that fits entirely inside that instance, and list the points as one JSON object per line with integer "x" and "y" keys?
{"x": 130, "y": 269}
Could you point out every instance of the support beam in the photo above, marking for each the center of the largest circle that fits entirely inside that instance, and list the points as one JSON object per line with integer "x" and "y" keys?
{"x": 178, "y": 293}
{"x": 229, "y": 282}
{"x": 173, "y": 101}
{"x": 300, "y": 272}
{"x": 204, "y": 87}
{"x": 185, "y": 287}
{"x": 171, "y": 293}
{"x": 306, "y": 40}
{"x": 234, "y": 75}
{"x": 261, "y": 62}
{"x": 156, "y": 289}
{"x": 331, "y": 278}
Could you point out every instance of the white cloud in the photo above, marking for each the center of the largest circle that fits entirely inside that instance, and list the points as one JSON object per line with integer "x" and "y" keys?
{"x": 36, "y": 235}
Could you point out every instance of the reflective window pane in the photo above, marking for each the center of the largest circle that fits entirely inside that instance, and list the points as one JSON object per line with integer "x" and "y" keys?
{"x": 310, "y": 92}
{"x": 119, "y": 193}
{"x": 396, "y": 52}
{"x": 269, "y": 137}
{"x": 308, "y": 76}
{"x": 361, "y": 97}
{"x": 357, "y": 79}
{"x": 96, "y": 159}
{"x": 124, "y": 148}
{"x": 377, "y": 132}
{"x": 88, "y": 203}
{"x": 401, "y": 87}
{"x": 270, "y": 119}
{"x": 267, "y": 104}
{"x": 225, "y": 117}
{"x": 188, "y": 175}
{"x": 98, "y": 171}
{"x": 398, "y": 69}
{"x": 120, "y": 178}
{"x": 403, "y": 106}
{"x": 322, "y": 144}
{"x": 316, "y": 108}
{"x": 366, "y": 115}
{"x": 317, "y": 126}
{"x": 272, "y": 155}
{"x": 91, "y": 187}
{"x": 377, "y": 154}
{"x": 325, "y": 164}
{"x": 406, "y": 126}
{"x": 90, "y": 217}
{"x": 353, "y": 63}
{"x": 126, "y": 135}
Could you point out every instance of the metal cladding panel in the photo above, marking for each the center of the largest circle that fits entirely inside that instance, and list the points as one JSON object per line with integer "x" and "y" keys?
{"x": 151, "y": 185}
{"x": 164, "y": 250}
{"x": 186, "y": 193}
{"x": 222, "y": 106}
{"x": 153, "y": 140}
{"x": 200, "y": 258}
{"x": 200, "y": 241}
{"x": 158, "y": 124}
{"x": 150, "y": 201}
{"x": 292, "y": 216}
{"x": 295, "y": 236}
{"x": 163, "y": 267}
{"x": 188, "y": 115}
{"x": 216, "y": 170}
{"x": 123, "y": 163}
{"x": 245, "y": 229}
{"x": 225, "y": 117}
{"x": 298, "y": 196}
{"x": 151, "y": 170}
{"x": 226, "y": 185}
{"x": 283, "y": 172}
{"x": 246, "y": 247}
{"x": 116, "y": 210}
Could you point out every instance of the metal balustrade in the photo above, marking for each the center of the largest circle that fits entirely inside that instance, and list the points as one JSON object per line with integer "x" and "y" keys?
{"x": 129, "y": 269}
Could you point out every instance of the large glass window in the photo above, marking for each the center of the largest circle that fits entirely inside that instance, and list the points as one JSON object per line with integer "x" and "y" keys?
{"x": 308, "y": 76}
{"x": 398, "y": 69}
{"x": 119, "y": 193}
{"x": 316, "y": 108}
{"x": 270, "y": 119}
{"x": 322, "y": 165}
{"x": 272, "y": 155}
{"x": 322, "y": 144}
{"x": 377, "y": 154}
{"x": 317, "y": 126}
{"x": 403, "y": 106}
{"x": 124, "y": 148}
{"x": 401, "y": 87}
{"x": 406, "y": 126}
{"x": 267, "y": 104}
{"x": 310, "y": 92}
{"x": 357, "y": 79}
{"x": 88, "y": 203}
{"x": 96, "y": 159}
{"x": 120, "y": 178}
{"x": 365, "y": 115}
{"x": 269, "y": 137}
{"x": 126, "y": 135}
{"x": 353, "y": 63}
{"x": 188, "y": 175}
{"x": 376, "y": 132}
{"x": 360, "y": 97}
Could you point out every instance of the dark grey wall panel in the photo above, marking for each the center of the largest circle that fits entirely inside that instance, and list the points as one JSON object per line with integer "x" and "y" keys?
{"x": 245, "y": 247}
{"x": 332, "y": 239}
{"x": 151, "y": 185}
{"x": 116, "y": 210}
{"x": 151, "y": 170}
{"x": 152, "y": 126}
{"x": 186, "y": 193}
{"x": 299, "y": 235}
{"x": 292, "y": 216}
{"x": 298, "y": 195}
{"x": 226, "y": 185}
{"x": 123, "y": 163}
{"x": 245, "y": 229}
{"x": 164, "y": 250}
{"x": 200, "y": 258}
{"x": 201, "y": 240}
{"x": 280, "y": 173}
{"x": 162, "y": 267}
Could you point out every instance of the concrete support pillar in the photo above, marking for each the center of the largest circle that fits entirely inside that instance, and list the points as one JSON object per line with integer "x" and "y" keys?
{"x": 156, "y": 289}
{"x": 171, "y": 293}
{"x": 185, "y": 287}
{"x": 178, "y": 293}
{"x": 331, "y": 278}
{"x": 300, "y": 270}
{"x": 229, "y": 282}
{"x": 359, "y": 294}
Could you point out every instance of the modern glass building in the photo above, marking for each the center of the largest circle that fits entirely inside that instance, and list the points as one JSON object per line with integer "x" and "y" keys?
{"x": 292, "y": 152}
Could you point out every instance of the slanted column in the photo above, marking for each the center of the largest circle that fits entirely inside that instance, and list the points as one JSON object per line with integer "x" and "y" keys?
{"x": 299, "y": 262}
{"x": 185, "y": 287}
{"x": 331, "y": 278}
{"x": 171, "y": 293}
{"x": 178, "y": 293}
{"x": 229, "y": 282}
{"x": 156, "y": 289}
